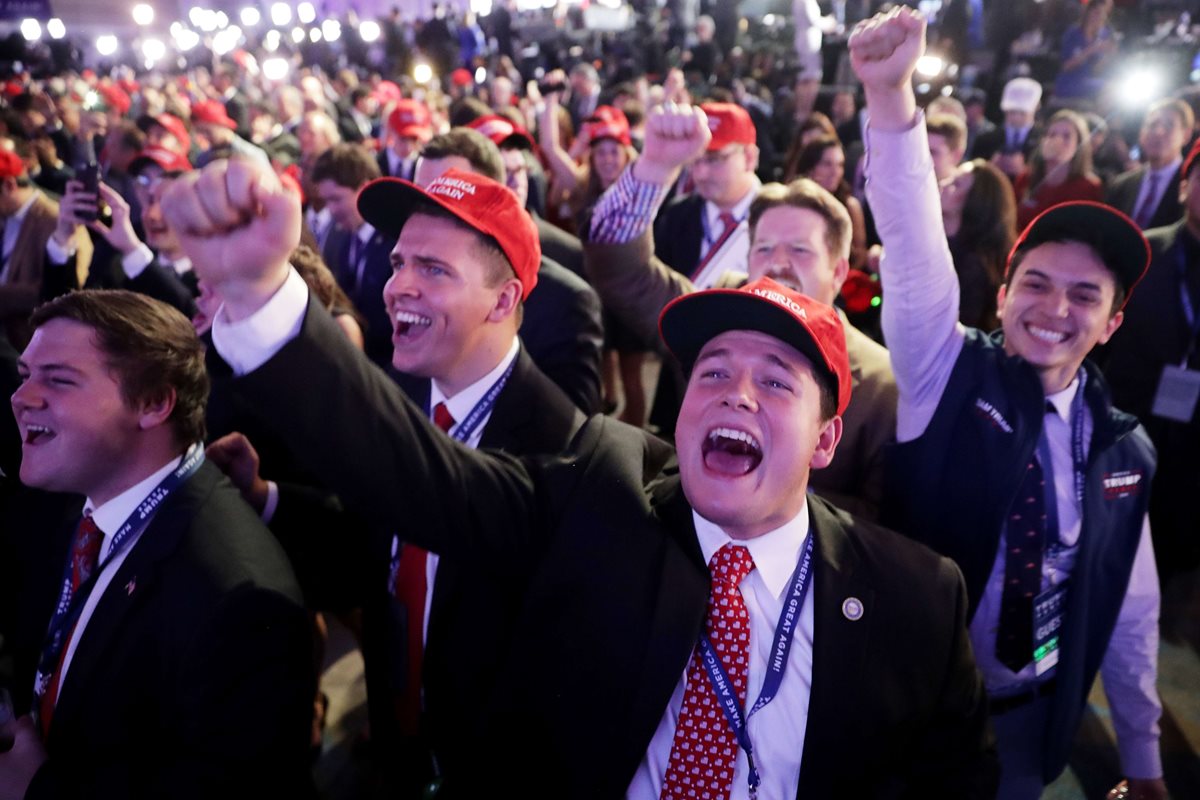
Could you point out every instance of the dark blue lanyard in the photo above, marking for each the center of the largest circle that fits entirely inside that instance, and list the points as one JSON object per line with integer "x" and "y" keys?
{"x": 784, "y": 633}
{"x": 70, "y": 604}
{"x": 1189, "y": 311}
{"x": 1078, "y": 457}
{"x": 462, "y": 433}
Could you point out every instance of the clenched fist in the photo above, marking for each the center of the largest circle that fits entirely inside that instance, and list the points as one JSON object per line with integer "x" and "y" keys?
{"x": 675, "y": 136}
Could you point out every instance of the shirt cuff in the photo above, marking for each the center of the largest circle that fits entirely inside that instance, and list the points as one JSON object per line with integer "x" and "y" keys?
{"x": 272, "y": 503}
{"x": 251, "y": 342}
{"x": 136, "y": 261}
{"x": 57, "y": 253}
{"x": 626, "y": 210}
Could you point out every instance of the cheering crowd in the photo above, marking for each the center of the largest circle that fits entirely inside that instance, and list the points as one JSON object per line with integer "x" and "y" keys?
{"x": 915, "y": 472}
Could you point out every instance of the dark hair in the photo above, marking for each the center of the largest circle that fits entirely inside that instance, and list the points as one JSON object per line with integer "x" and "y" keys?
{"x": 346, "y": 164}
{"x": 472, "y": 145}
{"x": 150, "y": 347}
{"x": 806, "y": 193}
{"x": 1080, "y": 163}
{"x": 949, "y": 127}
{"x": 989, "y": 218}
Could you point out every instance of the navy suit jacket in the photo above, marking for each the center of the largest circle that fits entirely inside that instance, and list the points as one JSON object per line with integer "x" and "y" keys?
{"x": 365, "y": 291}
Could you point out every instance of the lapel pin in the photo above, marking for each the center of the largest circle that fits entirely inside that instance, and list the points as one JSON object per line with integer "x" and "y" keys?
{"x": 852, "y": 609}
{"x": 129, "y": 587}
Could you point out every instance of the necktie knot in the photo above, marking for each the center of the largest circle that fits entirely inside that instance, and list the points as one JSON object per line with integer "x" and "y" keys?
{"x": 442, "y": 417}
{"x": 728, "y": 222}
{"x": 731, "y": 564}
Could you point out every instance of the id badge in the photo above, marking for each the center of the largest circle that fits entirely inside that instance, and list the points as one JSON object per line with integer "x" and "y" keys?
{"x": 1047, "y": 625}
{"x": 1178, "y": 391}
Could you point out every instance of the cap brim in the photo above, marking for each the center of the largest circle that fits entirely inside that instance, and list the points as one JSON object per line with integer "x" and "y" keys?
{"x": 691, "y": 321}
{"x": 1114, "y": 236}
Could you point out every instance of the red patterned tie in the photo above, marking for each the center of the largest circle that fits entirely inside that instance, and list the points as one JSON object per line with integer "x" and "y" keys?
{"x": 85, "y": 554}
{"x": 705, "y": 747}
{"x": 411, "y": 589}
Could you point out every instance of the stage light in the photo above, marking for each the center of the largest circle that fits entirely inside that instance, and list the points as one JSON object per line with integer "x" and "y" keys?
{"x": 106, "y": 45}
{"x": 186, "y": 39}
{"x": 332, "y": 29}
{"x": 1139, "y": 87}
{"x": 306, "y": 13}
{"x": 31, "y": 29}
{"x": 55, "y": 28}
{"x": 225, "y": 41}
{"x": 298, "y": 35}
{"x": 276, "y": 69}
{"x": 315, "y": 35}
{"x": 930, "y": 66}
{"x": 153, "y": 49}
{"x": 143, "y": 14}
{"x": 369, "y": 30}
{"x": 250, "y": 16}
{"x": 422, "y": 73}
{"x": 281, "y": 14}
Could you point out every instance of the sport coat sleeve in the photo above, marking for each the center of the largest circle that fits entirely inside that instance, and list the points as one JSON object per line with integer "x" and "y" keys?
{"x": 634, "y": 283}
{"x": 367, "y": 442}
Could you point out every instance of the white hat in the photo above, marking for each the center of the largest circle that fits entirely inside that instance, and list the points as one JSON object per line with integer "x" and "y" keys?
{"x": 1021, "y": 94}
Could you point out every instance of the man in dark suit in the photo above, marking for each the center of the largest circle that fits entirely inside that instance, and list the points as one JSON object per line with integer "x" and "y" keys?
{"x": 1150, "y": 359}
{"x": 162, "y": 633}
{"x": 409, "y": 127}
{"x": 1020, "y": 133}
{"x": 357, "y": 253}
{"x": 562, "y": 328}
{"x": 1149, "y": 194}
{"x": 610, "y": 543}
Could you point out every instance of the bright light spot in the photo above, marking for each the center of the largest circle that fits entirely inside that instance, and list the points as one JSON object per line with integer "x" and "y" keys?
{"x": 923, "y": 88}
{"x": 143, "y": 14}
{"x": 422, "y": 73}
{"x": 332, "y": 30}
{"x": 769, "y": 20}
{"x": 271, "y": 41}
{"x": 31, "y": 29}
{"x": 208, "y": 21}
{"x": 186, "y": 39}
{"x": 106, "y": 45}
{"x": 298, "y": 35}
{"x": 481, "y": 75}
{"x": 369, "y": 30}
{"x": 250, "y": 16}
{"x": 276, "y": 69}
{"x": 1140, "y": 87}
{"x": 306, "y": 13}
{"x": 175, "y": 28}
{"x": 222, "y": 19}
{"x": 56, "y": 29}
{"x": 153, "y": 49}
{"x": 225, "y": 41}
{"x": 195, "y": 15}
{"x": 930, "y": 66}
{"x": 315, "y": 35}
{"x": 481, "y": 7}
{"x": 281, "y": 14}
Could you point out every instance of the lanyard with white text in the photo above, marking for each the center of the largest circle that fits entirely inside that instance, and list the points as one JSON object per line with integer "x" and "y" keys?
{"x": 784, "y": 633}
{"x": 1079, "y": 465}
{"x": 70, "y": 604}
{"x": 462, "y": 432}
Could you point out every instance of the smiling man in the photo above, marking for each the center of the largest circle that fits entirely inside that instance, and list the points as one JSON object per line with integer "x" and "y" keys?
{"x": 623, "y": 557}
{"x": 164, "y": 649}
{"x": 1011, "y": 459}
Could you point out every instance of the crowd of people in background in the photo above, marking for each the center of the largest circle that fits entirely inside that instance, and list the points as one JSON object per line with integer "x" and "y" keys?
{"x": 508, "y": 220}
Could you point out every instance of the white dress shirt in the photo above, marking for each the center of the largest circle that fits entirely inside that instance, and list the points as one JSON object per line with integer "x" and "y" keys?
{"x": 777, "y": 730}
{"x": 12, "y": 229}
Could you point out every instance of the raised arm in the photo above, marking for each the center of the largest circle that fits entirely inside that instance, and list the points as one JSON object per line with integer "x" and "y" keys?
{"x": 920, "y": 289}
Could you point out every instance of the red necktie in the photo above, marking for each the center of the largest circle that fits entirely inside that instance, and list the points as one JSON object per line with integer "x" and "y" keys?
{"x": 85, "y": 554}
{"x": 729, "y": 225}
{"x": 705, "y": 748}
{"x": 410, "y": 589}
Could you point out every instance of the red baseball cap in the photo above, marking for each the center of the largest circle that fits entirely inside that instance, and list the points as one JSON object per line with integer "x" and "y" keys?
{"x": 1116, "y": 238}
{"x": 688, "y": 322}
{"x": 11, "y": 165}
{"x": 410, "y": 118}
{"x": 607, "y": 123}
{"x": 486, "y": 206}
{"x": 730, "y": 124}
{"x": 502, "y": 132}
{"x": 115, "y": 98}
{"x": 173, "y": 125}
{"x": 461, "y": 77}
{"x": 169, "y": 160}
{"x": 387, "y": 92}
{"x": 213, "y": 113}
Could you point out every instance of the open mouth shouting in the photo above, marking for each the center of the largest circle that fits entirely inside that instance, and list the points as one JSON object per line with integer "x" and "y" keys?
{"x": 37, "y": 434}
{"x": 728, "y": 451}
{"x": 408, "y": 325}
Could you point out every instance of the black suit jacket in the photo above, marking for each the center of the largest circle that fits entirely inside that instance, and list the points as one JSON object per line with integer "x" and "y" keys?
{"x": 560, "y": 246}
{"x": 616, "y": 591}
{"x": 564, "y": 334}
{"x": 193, "y": 677}
{"x": 367, "y": 293}
{"x": 988, "y": 143}
{"x": 1122, "y": 195}
{"x": 679, "y": 232}
{"x": 385, "y": 167}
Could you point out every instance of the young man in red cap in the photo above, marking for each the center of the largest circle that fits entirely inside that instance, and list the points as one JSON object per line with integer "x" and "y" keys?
{"x": 216, "y": 132}
{"x": 409, "y": 127}
{"x": 623, "y": 553}
{"x": 1011, "y": 459}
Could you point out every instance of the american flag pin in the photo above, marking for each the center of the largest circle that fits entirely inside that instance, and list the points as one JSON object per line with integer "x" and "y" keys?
{"x": 129, "y": 587}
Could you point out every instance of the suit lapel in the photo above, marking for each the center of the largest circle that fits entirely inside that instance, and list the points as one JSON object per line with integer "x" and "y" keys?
{"x": 508, "y": 427}
{"x": 839, "y": 651}
{"x": 131, "y": 586}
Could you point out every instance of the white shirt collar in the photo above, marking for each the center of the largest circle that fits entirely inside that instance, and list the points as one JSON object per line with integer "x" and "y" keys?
{"x": 775, "y": 553}
{"x": 740, "y": 210}
{"x": 112, "y": 515}
{"x": 1062, "y": 400}
{"x": 461, "y": 404}
{"x": 365, "y": 232}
